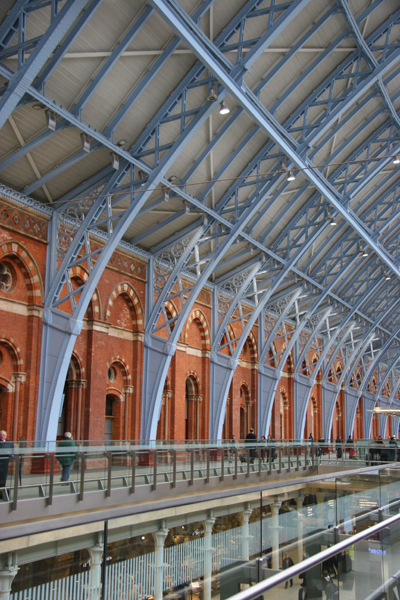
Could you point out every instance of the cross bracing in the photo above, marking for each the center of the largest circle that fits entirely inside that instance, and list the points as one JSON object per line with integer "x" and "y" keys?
{"x": 331, "y": 115}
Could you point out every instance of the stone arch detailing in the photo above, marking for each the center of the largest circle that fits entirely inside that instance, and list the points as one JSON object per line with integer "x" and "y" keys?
{"x": 197, "y": 315}
{"x": 8, "y": 340}
{"x": 79, "y": 364}
{"x": 81, "y": 273}
{"x": 125, "y": 368}
{"x": 125, "y": 289}
{"x": 30, "y": 271}
{"x": 193, "y": 374}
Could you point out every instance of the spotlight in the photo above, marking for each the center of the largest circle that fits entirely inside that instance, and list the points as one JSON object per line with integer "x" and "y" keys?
{"x": 386, "y": 274}
{"x": 143, "y": 537}
{"x": 250, "y": 249}
{"x": 114, "y": 160}
{"x": 187, "y": 207}
{"x": 224, "y": 108}
{"x": 166, "y": 194}
{"x": 396, "y": 160}
{"x": 213, "y": 94}
{"x": 283, "y": 166}
{"x": 121, "y": 143}
{"x": 85, "y": 142}
{"x": 361, "y": 250}
{"x": 38, "y": 106}
{"x": 331, "y": 218}
{"x": 143, "y": 176}
{"x": 291, "y": 176}
{"x": 51, "y": 120}
{"x": 172, "y": 179}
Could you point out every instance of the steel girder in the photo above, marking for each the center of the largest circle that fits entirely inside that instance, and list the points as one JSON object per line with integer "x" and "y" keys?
{"x": 56, "y": 321}
{"x": 28, "y": 70}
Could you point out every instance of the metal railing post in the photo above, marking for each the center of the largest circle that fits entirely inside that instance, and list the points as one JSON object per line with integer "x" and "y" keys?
{"x": 16, "y": 477}
{"x": 236, "y": 463}
{"x": 208, "y": 466}
{"x": 133, "y": 471}
{"x": 288, "y": 459}
{"x": 248, "y": 463}
{"x": 270, "y": 461}
{"x": 154, "y": 454}
{"x": 109, "y": 459}
{"x": 297, "y": 458}
{"x": 173, "y": 468}
{"x": 51, "y": 481}
{"x": 305, "y": 458}
{"x": 259, "y": 461}
{"x": 191, "y": 481}
{"x": 82, "y": 482}
{"x": 222, "y": 464}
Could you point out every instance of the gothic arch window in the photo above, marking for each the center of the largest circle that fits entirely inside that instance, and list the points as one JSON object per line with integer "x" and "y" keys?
{"x": 192, "y": 409}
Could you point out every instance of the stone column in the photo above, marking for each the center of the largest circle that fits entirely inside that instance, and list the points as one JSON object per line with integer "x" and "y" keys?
{"x": 246, "y": 534}
{"x": 127, "y": 390}
{"x": 159, "y": 564}
{"x": 17, "y": 379}
{"x": 7, "y": 574}
{"x": 275, "y": 534}
{"x": 208, "y": 554}
{"x": 96, "y": 559}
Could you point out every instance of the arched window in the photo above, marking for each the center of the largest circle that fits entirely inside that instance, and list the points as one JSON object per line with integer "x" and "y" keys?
{"x": 109, "y": 424}
{"x": 192, "y": 410}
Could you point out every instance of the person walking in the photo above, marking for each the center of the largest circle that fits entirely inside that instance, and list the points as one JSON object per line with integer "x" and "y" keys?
{"x": 302, "y": 592}
{"x": 251, "y": 437}
{"x": 232, "y": 448}
{"x": 286, "y": 563}
{"x": 393, "y": 448}
{"x": 66, "y": 459}
{"x": 338, "y": 447}
{"x": 6, "y": 449}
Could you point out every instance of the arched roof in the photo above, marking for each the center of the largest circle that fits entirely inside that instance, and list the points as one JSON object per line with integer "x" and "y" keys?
{"x": 110, "y": 114}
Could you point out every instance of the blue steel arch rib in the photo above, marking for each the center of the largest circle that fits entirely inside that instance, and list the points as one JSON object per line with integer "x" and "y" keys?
{"x": 57, "y": 354}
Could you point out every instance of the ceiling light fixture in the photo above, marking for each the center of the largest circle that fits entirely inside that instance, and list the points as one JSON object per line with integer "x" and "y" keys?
{"x": 224, "y": 108}
{"x": 187, "y": 207}
{"x": 121, "y": 143}
{"x": 361, "y": 250}
{"x": 38, "y": 106}
{"x": 396, "y": 160}
{"x": 166, "y": 194}
{"x": 85, "y": 142}
{"x": 386, "y": 274}
{"x": 331, "y": 218}
{"x": 142, "y": 176}
{"x": 213, "y": 93}
{"x": 51, "y": 120}
{"x": 291, "y": 176}
{"x": 114, "y": 160}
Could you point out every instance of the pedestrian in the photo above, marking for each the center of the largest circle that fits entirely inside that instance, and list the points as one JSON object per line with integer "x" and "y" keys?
{"x": 329, "y": 587}
{"x": 311, "y": 439}
{"x": 338, "y": 447}
{"x": 232, "y": 448}
{"x": 393, "y": 448}
{"x": 66, "y": 459}
{"x": 302, "y": 592}
{"x": 350, "y": 447}
{"x": 286, "y": 563}
{"x": 263, "y": 448}
{"x": 6, "y": 449}
{"x": 250, "y": 437}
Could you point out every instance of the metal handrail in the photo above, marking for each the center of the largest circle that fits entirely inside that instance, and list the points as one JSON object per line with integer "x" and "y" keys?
{"x": 260, "y": 588}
